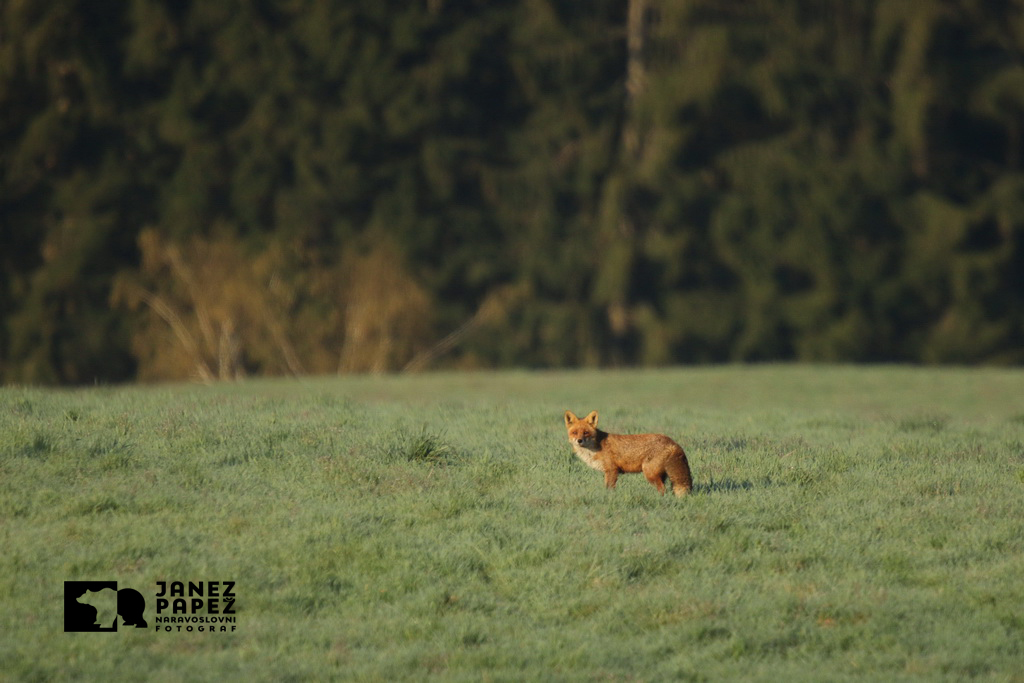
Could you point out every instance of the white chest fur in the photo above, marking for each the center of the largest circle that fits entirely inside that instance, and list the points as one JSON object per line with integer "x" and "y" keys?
{"x": 588, "y": 456}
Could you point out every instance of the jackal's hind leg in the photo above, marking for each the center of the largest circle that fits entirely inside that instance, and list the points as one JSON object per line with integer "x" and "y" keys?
{"x": 656, "y": 476}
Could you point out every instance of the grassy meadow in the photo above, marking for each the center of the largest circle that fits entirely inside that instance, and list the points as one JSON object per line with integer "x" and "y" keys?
{"x": 846, "y": 523}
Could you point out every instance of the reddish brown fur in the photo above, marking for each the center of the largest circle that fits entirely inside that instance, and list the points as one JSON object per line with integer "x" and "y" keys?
{"x": 656, "y": 455}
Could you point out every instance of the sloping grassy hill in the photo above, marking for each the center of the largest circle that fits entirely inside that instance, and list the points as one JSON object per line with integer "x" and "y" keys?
{"x": 846, "y": 523}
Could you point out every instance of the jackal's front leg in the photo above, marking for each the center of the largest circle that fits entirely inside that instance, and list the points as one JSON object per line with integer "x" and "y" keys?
{"x": 610, "y": 477}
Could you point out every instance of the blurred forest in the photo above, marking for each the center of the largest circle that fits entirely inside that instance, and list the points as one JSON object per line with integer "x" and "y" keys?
{"x": 215, "y": 189}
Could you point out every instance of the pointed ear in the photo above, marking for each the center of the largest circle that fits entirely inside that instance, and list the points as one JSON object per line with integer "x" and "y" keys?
{"x": 592, "y": 418}
{"x": 570, "y": 417}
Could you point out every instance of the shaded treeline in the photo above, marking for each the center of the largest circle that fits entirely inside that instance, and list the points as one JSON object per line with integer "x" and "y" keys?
{"x": 298, "y": 186}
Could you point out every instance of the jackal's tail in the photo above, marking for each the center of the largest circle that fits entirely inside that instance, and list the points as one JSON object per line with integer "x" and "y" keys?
{"x": 678, "y": 469}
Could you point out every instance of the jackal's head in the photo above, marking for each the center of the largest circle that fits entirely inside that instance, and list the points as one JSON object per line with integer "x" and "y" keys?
{"x": 582, "y": 432}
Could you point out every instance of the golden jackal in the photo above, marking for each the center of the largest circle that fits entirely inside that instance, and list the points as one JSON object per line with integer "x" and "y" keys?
{"x": 656, "y": 455}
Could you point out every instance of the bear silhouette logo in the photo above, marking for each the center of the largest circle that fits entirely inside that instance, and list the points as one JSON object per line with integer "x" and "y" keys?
{"x": 96, "y": 605}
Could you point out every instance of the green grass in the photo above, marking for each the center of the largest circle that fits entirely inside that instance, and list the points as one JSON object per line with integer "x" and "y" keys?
{"x": 846, "y": 523}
